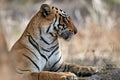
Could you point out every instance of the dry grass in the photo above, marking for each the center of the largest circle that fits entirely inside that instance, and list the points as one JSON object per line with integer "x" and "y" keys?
{"x": 94, "y": 45}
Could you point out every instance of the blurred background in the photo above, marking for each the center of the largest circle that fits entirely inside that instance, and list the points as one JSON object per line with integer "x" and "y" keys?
{"x": 98, "y": 22}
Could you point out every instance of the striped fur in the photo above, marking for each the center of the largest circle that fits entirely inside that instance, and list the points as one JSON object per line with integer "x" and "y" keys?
{"x": 37, "y": 51}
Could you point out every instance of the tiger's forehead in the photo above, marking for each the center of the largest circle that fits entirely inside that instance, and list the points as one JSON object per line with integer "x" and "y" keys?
{"x": 60, "y": 11}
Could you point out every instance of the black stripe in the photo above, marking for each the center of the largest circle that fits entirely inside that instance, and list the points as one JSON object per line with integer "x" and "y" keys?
{"x": 56, "y": 29}
{"x": 63, "y": 15}
{"x": 52, "y": 7}
{"x": 45, "y": 40}
{"x": 55, "y": 63}
{"x": 59, "y": 19}
{"x": 34, "y": 43}
{"x": 45, "y": 49}
{"x": 54, "y": 24}
{"x": 40, "y": 32}
{"x": 56, "y": 8}
{"x": 48, "y": 29}
{"x": 61, "y": 10}
{"x": 46, "y": 13}
{"x": 60, "y": 24}
{"x": 32, "y": 53}
{"x": 53, "y": 51}
{"x": 68, "y": 68}
{"x": 43, "y": 56}
{"x": 59, "y": 68}
{"x": 63, "y": 26}
{"x": 32, "y": 62}
{"x": 64, "y": 68}
{"x": 65, "y": 20}
{"x": 53, "y": 41}
{"x": 60, "y": 14}
{"x": 48, "y": 42}
{"x": 53, "y": 46}
{"x": 52, "y": 35}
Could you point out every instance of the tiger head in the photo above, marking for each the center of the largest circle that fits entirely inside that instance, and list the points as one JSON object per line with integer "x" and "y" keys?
{"x": 60, "y": 23}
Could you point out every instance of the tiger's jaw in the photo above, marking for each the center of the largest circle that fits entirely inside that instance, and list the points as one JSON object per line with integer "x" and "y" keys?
{"x": 66, "y": 35}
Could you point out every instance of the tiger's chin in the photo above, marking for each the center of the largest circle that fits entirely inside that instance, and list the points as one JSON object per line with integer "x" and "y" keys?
{"x": 68, "y": 39}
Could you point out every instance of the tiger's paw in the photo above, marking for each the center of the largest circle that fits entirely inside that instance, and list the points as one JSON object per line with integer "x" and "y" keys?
{"x": 46, "y": 75}
{"x": 86, "y": 71}
{"x": 68, "y": 76}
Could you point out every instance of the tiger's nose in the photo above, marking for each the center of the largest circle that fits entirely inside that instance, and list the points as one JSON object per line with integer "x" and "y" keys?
{"x": 75, "y": 31}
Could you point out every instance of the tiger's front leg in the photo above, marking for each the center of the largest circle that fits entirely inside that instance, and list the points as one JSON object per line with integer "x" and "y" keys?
{"x": 46, "y": 75}
{"x": 78, "y": 70}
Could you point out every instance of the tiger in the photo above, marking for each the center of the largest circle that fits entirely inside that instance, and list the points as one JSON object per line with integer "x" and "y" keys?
{"x": 36, "y": 55}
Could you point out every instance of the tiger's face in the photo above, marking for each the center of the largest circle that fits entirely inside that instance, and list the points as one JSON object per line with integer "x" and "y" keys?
{"x": 61, "y": 24}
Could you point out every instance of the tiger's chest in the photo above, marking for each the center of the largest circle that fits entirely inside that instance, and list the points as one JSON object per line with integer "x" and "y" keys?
{"x": 45, "y": 65}
{"x": 54, "y": 59}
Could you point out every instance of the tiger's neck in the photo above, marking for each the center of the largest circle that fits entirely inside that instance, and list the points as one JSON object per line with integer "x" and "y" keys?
{"x": 38, "y": 36}
{"x": 47, "y": 40}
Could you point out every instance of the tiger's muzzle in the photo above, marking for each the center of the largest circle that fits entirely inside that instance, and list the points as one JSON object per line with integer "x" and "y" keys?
{"x": 67, "y": 35}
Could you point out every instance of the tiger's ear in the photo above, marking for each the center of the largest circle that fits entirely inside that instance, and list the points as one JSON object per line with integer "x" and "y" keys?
{"x": 45, "y": 10}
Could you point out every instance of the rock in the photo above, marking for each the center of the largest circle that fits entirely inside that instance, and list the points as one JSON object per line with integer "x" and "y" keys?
{"x": 108, "y": 72}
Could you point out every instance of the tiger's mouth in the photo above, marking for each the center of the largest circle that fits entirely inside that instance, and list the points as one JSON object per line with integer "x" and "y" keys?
{"x": 67, "y": 35}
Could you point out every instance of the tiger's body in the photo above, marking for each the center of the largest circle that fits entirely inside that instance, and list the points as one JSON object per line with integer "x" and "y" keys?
{"x": 36, "y": 54}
